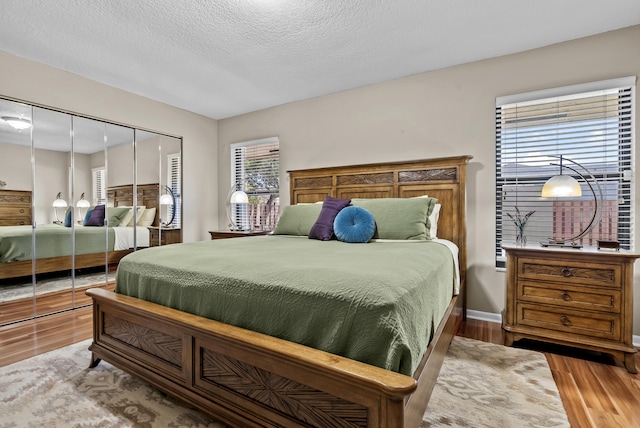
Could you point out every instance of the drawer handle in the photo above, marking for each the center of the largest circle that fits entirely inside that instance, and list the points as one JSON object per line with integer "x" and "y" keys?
{"x": 566, "y": 272}
{"x": 22, "y": 210}
{"x": 565, "y": 321}
{"x": 566, "y": 296}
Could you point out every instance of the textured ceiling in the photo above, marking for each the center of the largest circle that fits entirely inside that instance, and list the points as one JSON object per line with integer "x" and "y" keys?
{"x": 221, "y": 58}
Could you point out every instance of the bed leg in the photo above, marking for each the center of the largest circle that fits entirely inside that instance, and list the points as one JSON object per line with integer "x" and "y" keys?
{"x": 94, "y": 361}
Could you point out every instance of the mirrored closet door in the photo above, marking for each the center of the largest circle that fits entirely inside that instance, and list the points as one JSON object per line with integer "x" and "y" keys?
{"x": 159, "y": 171}
{"x": 16, "y": 212}
{"x": 52, "y": 156}
{"x": 76, "y": 195}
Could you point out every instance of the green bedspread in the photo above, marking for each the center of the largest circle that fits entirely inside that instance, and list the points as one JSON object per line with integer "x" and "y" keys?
{"x": 377, "y": 303}
{"x": 52, "y": 240}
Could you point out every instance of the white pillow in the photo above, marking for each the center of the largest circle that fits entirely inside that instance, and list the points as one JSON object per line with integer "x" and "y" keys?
{"x": 126, "y": 218}
{"x": 139, "y": 213}
{"x": 433, "y": 221}
{"x": 147, "y": 218}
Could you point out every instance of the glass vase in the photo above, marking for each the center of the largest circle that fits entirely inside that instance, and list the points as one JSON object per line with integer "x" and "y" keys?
{"x": 521, "y": 238}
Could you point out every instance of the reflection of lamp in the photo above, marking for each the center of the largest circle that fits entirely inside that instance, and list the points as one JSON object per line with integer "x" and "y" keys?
{"x": 236, "y": 197}
{"x": 567, "y": 186}
{"x": 58, "y": 203}
{"x": 82, "y": 205}
{"x": 168, "y": 199}
{"x": 239, "y": 197}
{"x": 18, "y": 123}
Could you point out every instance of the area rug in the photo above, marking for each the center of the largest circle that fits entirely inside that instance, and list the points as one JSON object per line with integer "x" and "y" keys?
{"x": 486, "y": 385}
{"x": 480, "y": 385}
{"x": 51, "y": 285}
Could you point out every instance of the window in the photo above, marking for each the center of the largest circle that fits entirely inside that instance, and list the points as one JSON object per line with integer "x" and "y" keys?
{"x": 99, "y": 181}
{"x": 591, "y": 124}
{"x": 174, "y": 180}
{"x": 255, "y": 169}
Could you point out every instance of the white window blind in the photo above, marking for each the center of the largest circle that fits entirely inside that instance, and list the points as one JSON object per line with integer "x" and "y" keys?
{"x": 255, "y": 170}
{"x": 99, "y": 184}
{"x": 174, "y": 180}
{"x": 589, "y": 124}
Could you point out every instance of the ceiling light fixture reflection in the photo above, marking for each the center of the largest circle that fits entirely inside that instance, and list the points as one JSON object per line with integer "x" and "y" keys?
{"x": 18, "y": 123}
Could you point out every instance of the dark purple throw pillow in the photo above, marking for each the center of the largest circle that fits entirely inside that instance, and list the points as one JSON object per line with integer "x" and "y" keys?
{"x": 323, "y": 227}
{"x": 97, "y": 217}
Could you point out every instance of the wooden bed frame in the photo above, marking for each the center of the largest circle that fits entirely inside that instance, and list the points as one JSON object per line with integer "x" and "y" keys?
{"x": 247, "y": 379}
{"x": 118, "y": 196}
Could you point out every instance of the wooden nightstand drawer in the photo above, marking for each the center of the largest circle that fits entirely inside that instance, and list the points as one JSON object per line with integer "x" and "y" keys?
{"x": 15, "y": 197}
{"x": 15, "y": 211}
{"x": 583, "y": 323}
{"x": 15, "y": 221}
{"x": 570, "y": 296}
{"x": 571, "y": 272}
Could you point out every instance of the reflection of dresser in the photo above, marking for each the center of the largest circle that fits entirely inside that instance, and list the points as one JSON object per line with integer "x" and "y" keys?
{"x": 15, "y": 207}
{"x": 164, "y": 236}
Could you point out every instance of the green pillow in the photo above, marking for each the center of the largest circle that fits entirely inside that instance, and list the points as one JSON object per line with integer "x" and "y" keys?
{"x": 115, "y": 215}
{"x": 297, "y": 219}
{"x": 400, "y": 218}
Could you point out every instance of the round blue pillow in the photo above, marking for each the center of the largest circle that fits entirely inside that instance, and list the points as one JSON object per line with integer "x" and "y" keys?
{"x": 354, "y": 224}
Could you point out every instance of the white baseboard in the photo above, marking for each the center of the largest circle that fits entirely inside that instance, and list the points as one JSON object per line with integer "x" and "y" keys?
{"x": 484, "y": 316}
{"x": 491, "y": 317}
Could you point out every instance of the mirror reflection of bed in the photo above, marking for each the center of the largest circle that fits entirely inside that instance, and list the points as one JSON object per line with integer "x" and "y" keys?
{"x": 65, "y": 163}
{"x": 56, "y": 279}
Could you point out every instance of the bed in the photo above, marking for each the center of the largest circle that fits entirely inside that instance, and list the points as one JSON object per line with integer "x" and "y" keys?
{"x": 245, "y": 377}
{"x": 53, "y": 243}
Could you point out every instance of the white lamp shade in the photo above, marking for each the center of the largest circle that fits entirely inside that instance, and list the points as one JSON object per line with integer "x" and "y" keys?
{"x": 239, "y": 197}
{"x": 166, "y": 199}
{"x": 561, "y": 186}
{"x": 60, "y": 203}
{"x": 83, "y": 203}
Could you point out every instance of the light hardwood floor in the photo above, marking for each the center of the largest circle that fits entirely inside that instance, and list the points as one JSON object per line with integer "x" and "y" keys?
{"x": 595, "y": 393}
{"x": 29, "y": 338}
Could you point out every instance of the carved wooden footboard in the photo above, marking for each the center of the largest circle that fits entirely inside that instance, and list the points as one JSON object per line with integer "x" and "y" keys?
{"x": 248, "y": 379}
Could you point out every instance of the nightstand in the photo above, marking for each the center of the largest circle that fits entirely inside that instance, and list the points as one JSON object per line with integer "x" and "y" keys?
{"x": 164, "y": 235}
{"x": 225, "y": 234}
{"x": 574, "y": 297}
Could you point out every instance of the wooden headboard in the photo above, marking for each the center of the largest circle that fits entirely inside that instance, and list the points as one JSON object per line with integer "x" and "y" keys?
{"x": 441, "y": 178}
{"x": 147, "y": 196}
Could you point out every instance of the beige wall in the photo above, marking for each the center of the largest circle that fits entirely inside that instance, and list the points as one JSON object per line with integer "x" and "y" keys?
{"x": 440, "y": 113}
{"x": 52, "y": 176}
{"x": 15, "y": 159}
{"x": 38, "y": 83}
